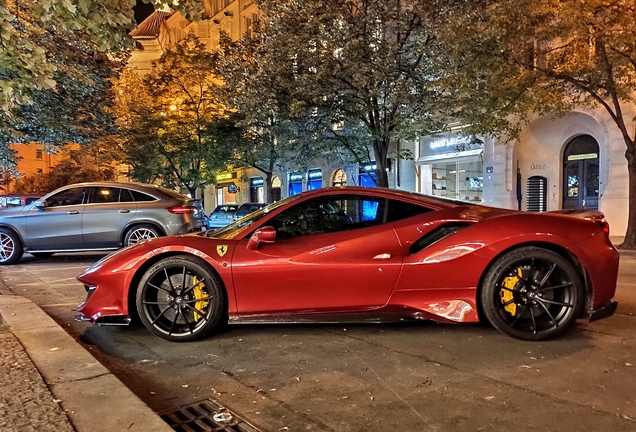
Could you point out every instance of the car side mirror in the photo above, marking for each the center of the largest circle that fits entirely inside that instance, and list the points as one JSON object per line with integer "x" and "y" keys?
{"x": 39, "y": 204}
{"x": 265, "y": 235}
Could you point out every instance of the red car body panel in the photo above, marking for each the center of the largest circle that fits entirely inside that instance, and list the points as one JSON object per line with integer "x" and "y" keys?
{"x": 365, "y": 272}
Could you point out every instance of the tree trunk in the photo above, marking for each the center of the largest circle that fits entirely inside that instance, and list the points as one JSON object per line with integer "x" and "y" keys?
{"x": 381, "y": 150}
{"x": 630, "y": 235}
{"x": 268, "y": 183}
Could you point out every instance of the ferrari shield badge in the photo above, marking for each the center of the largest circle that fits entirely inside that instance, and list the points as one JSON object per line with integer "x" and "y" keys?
{"x": 221, "y": 250}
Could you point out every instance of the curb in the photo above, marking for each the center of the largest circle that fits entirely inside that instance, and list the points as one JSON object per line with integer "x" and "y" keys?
{"x": 93, "y": 398}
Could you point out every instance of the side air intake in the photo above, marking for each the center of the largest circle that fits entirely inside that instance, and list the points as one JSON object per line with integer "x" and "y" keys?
{"x": 437, "y": 234}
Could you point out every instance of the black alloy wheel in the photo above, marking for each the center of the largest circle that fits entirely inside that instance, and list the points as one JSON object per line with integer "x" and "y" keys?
{"x": 181, "y": 299}
{"x": 532, "y": 294}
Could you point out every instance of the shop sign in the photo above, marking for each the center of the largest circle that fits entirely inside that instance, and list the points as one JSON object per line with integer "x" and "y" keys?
{"x": 455, "y": 143}
{"x": 225, "y": 176}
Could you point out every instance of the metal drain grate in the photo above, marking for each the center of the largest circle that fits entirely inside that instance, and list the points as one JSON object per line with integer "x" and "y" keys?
{"x": 206, "y": 415}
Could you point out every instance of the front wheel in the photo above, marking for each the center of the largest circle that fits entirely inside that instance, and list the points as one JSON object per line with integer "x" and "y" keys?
{"x": 532, "y": 294}
{"x": 180, "y": 299}
{"x": 139, "y": 233}
{"x": 10, "y": 247}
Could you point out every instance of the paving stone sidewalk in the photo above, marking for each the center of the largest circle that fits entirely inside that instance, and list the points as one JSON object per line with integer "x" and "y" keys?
{"x": 26, "y": 402}
{"x": 49, "y": 382}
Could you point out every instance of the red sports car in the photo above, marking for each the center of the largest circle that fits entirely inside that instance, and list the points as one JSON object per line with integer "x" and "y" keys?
{"x": 365, "y": 255}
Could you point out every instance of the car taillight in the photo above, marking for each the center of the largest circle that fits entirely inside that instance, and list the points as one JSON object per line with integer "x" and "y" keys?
{"x": 182, "y": 210}
{"x": 605, "y": 225}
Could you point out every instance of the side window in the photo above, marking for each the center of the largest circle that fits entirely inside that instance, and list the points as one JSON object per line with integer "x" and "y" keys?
{"x": 125, "y": 196}
{"x": 102, "y": 195}
{"x": 140, "y": 196}
{"x": 329, "y": 214}
{"x": 399, "y": 210}
{"x": 73, "y": 196}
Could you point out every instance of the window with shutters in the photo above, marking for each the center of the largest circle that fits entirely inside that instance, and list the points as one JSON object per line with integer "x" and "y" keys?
{"x": 537, "y": 194}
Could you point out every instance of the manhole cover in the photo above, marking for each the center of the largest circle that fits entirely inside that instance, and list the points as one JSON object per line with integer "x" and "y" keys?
{"x": 206, "y": 415}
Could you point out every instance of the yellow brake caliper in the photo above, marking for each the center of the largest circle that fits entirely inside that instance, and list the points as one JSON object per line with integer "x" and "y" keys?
{"x": 202, "y": 298}
{"x": 506, "y": 295}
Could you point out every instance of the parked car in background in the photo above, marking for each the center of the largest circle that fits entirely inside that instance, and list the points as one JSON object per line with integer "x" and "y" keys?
{"x": 225, "y": 214}
{"x": 96, "y": 216}
{"x": 18, "y": 200}
{"x": 247, "y": 208}
{"x": 221, "y": 216}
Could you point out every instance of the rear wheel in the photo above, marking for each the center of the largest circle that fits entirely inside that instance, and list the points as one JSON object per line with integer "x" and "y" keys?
{"x": 180, "y": 299}
{"x": 10, "y": 247}
{"x": 140, "y": 233}
{"x": 532, "y": 294}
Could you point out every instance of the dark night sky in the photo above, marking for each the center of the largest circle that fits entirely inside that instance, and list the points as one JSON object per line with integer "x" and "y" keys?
{"x": 142, "y": 10}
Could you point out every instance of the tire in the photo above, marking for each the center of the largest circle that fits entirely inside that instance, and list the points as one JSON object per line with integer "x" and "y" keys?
{"x": 10, "y": 247}
{"x": 532, "y": 294}
{"x": 41, "y": 254}
{"x": 140, "y": 233}
{"x": 180, "y": 299}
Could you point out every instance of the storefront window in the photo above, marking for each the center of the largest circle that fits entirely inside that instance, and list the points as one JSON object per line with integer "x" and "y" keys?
{"x": 461, "y": 180}
{"x": 314, "y": 179}
{"x": 295, "y": 184}
{"x": 364, "y": 178}
{"x": 451, "y": 166}
{"x": 257, "y": 194}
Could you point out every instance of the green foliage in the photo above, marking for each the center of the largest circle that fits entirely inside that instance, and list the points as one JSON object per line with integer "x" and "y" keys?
{"x": 508, "y": 59}
{"x": 262, "y": 131}
{"x": 169, "y": 121}
{"x": 360, "y": 74}
{"x": 25, "y": 65}
{"x": 534, "y": 56}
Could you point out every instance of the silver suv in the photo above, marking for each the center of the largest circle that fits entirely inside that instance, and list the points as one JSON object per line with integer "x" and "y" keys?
{"x": 95, "y": 216}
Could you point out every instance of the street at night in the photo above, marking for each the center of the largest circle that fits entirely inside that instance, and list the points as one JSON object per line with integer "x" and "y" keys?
{"x": 410, "y": 376}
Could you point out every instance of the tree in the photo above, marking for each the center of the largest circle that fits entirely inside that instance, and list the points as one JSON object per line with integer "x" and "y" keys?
{"x": 24, "y": 62}
{"x": 365, "y": 65}
{"x": 262, "y": 131}
{"x": 512, "y": 57}
{"x": 170, "y": 121}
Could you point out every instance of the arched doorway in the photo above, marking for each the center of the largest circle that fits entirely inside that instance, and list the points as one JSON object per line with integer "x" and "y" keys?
{"x": 339, "y": 178}
{"x": 580, "y": 173}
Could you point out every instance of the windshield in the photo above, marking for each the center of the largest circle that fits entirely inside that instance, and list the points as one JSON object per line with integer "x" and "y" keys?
{"x": 231, "y": 230}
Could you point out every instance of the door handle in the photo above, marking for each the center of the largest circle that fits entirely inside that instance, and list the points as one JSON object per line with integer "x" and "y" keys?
{"x": 383, "y": 256}
{"x": 124, "y": 211}
{"x": 73, "y": 212}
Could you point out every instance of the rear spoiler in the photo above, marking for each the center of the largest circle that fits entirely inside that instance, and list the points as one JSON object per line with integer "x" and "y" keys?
{"x": 592, "y": 215}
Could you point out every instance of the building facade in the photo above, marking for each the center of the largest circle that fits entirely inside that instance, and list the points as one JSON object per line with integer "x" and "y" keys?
{"x": 576, "y": 161}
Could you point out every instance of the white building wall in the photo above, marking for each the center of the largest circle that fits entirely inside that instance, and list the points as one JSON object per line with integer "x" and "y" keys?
{"x": 539, "y": 151}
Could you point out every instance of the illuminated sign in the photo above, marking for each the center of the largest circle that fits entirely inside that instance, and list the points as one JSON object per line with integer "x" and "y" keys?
{"x": 448, "y": 142}
{"x": 583, "y": 156}
{"x": 225, "y": 176}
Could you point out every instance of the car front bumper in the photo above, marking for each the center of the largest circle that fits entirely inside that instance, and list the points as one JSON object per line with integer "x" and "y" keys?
{"x": 603, "y": 311}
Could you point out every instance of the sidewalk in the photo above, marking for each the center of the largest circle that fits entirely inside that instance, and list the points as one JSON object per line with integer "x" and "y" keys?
{"x": 49, "y": 382}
